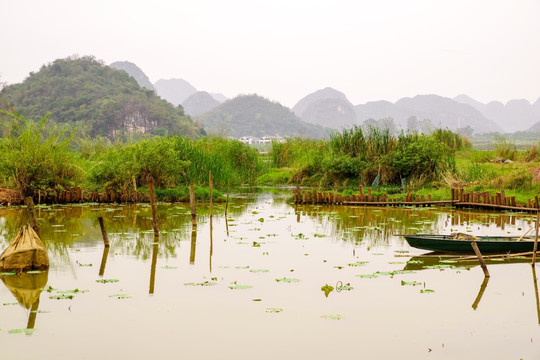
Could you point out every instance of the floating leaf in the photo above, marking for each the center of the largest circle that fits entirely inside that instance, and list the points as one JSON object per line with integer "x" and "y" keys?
{"x": 8, "y": 273}
{"x": 411, "y": 283}
{"x": 61, "y": 297}
{"x": 327, "y": 289}
{"x": 120, "y": 296}
{"x": 74, "y": 291}
{"x": 358, "y": 263}
{"x": 273, "y": 310}
{"x": 40, "y": 311}
{"x": 168, "y": 267}
{"x": 387, "y": 273}
{"x": 105, "y": 281}
{"x": 402, "y": 251}
{"x": 21, "y": 331}
{"x": 242, "y": 267}
{"x": 259, "y": 270}
{"x": 9, "y": 304}
{"x": 87, "y": 265}
{"x": 415, "y": 262}
{"x": 33, "y": 272}
{"x": 49, "y": 289}
{"x": 206, "y": 283}
{"x": 261, "y": 220}
{"x": 239, "y": 287}
{"x": 256, "y": 244}
{"x": 256, "y": 299}
{"x": 332, "y": 317}
{"x": 427, "y": 291}
{"x": 344, "y": 288}
{"x": 288, "y": 280}
{"x": 367, "y": 276}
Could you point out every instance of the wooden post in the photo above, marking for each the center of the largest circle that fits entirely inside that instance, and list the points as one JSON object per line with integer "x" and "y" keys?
{"x": 103, "y": 231}
{"x": 29, "y": 202}
{"x": 192, "y": 205}
{"x": 480, "y": 258}
{"x": 153, "y": 205}
{"x": 369, "y": 195}
{"x": 535, "y": 248}
{"x": 210, "y": 188}
{"x": 226, "y": 205}
{"x": 361, "y": 189}
{"x": 134, "y": 188}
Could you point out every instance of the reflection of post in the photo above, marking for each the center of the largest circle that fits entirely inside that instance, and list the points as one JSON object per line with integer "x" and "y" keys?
{"x": 153, "y": 267}
{"x": 481, "y": 292}
{"x": 536, "y": 293}
{"x": 193, "y": 244}
{"x": 211, "y": 245}
{"x": 535, "y": 248}
{"x": 33, "y": 315}
{"x": 103, "y": 260}
{"x": 227, "y": 226}
{"x": 297, "y": 214}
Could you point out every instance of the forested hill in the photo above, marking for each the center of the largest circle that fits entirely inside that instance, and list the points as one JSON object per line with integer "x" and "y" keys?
{"x": 96, "y": 98}
{"x": 253, "y": 115}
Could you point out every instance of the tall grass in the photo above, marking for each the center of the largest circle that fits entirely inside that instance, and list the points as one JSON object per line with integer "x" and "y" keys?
{"x": 34, "y": 157}
{"x": 173, "y": 161}
{"x": 362, "y": 155}
{"x": 451, "y": 139}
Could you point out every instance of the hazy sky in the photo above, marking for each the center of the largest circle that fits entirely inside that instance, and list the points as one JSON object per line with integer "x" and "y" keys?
{"x": 285, "y": 49}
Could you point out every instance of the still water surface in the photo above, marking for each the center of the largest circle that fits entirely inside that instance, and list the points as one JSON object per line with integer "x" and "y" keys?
{"x": 214, "y": 293}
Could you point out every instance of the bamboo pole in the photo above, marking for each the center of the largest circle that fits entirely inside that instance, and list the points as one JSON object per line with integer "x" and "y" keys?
{"x": 153, "y": 205}
{"x": 479, "y": 255}
{"x": 192, "y": 205}
{"x": 522, "y": 236}
{"x": 210, "y": 188}
{"x": 535, "y": 248}
{"x": 103, "y": 232}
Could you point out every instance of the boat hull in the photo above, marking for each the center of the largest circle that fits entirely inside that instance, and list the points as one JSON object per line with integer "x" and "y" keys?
{"x": 486, "y": 244}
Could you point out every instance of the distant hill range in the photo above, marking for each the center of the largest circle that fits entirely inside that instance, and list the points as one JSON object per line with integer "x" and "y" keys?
{"x": 96, "y": 99}
{"x": 516, "y": 115}
{"x": 199, "y": 102}
{"x": 327, "y": 107}
{"x": 135, "y": 71}
{"x": 331, "y": 108}
{"x": 253, "y": 115}
{"x": 176, "y": 91}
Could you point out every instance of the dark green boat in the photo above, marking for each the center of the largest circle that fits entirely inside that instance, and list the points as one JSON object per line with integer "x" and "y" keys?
{"x": 486, "y": 244}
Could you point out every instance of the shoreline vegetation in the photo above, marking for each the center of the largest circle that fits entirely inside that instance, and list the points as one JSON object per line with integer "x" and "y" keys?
{"x": 38, "y": 159}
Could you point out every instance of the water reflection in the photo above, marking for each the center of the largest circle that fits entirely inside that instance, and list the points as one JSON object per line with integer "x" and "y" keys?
{"x": 104, "y": 260}
{"x": 536, "y": 292}
{"x": 27, "y": 288}
{"x": 480, "y": 292}
{"x": 154, "y": 264}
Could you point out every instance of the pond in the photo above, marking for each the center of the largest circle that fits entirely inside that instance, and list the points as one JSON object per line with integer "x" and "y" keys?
{"x": 267, "y": 281}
